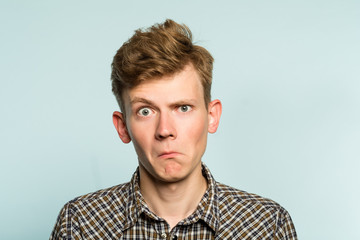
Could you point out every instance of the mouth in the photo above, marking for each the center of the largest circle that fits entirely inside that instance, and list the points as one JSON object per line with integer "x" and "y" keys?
{"x": 165, "y": 155}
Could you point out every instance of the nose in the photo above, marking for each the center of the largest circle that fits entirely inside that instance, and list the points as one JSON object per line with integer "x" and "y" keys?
{"x": 166, "y": 127}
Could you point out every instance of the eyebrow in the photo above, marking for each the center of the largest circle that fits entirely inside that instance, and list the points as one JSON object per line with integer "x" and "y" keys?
{"x": 141, "y": 100}
{"x": 149, "y": 102}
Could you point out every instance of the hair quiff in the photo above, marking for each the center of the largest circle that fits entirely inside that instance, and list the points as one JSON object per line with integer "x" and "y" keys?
{"x": 161, "y": 50}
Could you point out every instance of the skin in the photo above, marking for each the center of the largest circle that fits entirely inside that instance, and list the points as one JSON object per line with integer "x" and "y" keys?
{"x": 168, "y": 122}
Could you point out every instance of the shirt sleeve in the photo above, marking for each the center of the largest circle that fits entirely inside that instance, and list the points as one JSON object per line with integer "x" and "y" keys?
{"x": 66, "y": 226}
{"x": 285, "y": 227}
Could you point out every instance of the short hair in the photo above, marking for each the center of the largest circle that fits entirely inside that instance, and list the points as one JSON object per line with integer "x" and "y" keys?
{"x": 159, "y": 51}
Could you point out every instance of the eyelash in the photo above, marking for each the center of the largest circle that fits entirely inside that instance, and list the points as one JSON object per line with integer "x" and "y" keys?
{"x": 185, "y": 105}
{"x": 176, "y": 107}
{"x": 141, "y": 108}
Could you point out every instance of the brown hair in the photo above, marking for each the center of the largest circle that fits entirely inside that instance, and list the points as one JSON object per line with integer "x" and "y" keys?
{"x": 161, "y": 50}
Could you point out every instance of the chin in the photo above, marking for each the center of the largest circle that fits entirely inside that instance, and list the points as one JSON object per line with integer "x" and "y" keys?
{"x": 171, "y": 179}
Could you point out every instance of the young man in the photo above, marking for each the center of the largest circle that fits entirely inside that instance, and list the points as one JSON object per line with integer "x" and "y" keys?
{"x": 162, "y": 83}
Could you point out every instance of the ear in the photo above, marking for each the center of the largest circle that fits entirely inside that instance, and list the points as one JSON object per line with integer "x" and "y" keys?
{"x": 214, "y": 113}
{"x": 120, "y": 125}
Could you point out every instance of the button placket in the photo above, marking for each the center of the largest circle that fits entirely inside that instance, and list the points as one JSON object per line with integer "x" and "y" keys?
{"x": 162, "y": 229}
{"x": 174, "y": 232}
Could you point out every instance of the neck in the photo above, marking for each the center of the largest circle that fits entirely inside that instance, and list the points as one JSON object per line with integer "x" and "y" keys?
{"x": 173, "y": 201}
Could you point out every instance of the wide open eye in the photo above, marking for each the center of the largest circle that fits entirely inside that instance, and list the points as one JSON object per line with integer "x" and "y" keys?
{"x": 144, "y": 111}
{"x": 184, "y": 108}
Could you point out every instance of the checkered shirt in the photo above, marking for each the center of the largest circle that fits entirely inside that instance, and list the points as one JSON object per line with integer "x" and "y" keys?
{"x": 120, "y": 212}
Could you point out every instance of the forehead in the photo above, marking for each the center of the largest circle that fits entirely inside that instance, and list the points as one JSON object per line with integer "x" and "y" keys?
{"x": 185, "y": 84}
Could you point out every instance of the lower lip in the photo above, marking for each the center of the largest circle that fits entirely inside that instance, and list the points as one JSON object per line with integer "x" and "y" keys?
{"x": 169, "y": 155}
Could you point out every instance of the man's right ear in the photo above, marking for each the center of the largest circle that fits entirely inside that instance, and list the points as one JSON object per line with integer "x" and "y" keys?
{"x": 120, "y": 125}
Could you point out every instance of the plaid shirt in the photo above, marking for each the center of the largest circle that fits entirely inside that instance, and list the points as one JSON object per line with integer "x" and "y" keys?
{"x": 120, "y": 212}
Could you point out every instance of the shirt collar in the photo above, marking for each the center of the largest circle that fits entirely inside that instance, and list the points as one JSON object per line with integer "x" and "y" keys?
{"x": 207, "y": 210}
{"x": 211, "y": 204}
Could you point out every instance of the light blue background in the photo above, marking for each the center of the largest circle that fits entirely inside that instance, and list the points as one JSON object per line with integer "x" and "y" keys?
{"x": 287, "y": 73}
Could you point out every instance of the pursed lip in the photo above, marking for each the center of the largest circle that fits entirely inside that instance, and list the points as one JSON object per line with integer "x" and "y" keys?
{"x": 170, "y": 154}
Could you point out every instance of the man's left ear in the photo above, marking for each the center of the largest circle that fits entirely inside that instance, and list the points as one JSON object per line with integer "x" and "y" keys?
{"x": 214, "y": 113}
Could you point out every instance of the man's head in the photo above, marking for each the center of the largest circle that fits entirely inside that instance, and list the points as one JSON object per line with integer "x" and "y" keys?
{"x": 162, "y": 82}
{"x": 159, "y": 51}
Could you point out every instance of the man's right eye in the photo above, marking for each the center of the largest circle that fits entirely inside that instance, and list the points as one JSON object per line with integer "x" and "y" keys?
{"x": 144, "y": 111}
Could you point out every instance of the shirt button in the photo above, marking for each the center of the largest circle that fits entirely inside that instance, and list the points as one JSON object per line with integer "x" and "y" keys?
{"x": 163, "y": 235}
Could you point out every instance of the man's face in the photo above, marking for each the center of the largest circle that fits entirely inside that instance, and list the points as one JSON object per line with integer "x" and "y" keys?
{"x": 168, "y": 122}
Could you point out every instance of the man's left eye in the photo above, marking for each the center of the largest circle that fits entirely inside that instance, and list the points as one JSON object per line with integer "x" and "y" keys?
{"x": 184, "y": 108}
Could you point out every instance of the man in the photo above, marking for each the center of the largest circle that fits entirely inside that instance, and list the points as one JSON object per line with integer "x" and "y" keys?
{"x": 162, "y": 83}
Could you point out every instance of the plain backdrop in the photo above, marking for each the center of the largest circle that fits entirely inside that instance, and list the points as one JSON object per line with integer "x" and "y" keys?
{"x": 287, "y": 72}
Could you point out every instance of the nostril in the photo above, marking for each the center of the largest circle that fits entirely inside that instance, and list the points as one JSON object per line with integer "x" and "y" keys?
{"x": 165, "y": 127}
{"x": 162, "y": 136}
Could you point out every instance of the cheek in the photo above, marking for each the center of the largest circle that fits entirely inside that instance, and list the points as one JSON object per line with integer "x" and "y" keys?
{"x": 140, "y": 135}
{"x": 196, "y": 131}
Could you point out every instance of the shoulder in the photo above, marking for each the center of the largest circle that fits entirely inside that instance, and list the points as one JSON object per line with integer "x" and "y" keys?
{"x": 95, "y": 212}
{"x": 252, "y": 216}
{"x": 103, "y": 204}
{"x": 115, "y": 194}
{"x": 102, "y": 212}
{"x": 230, "y": 195}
